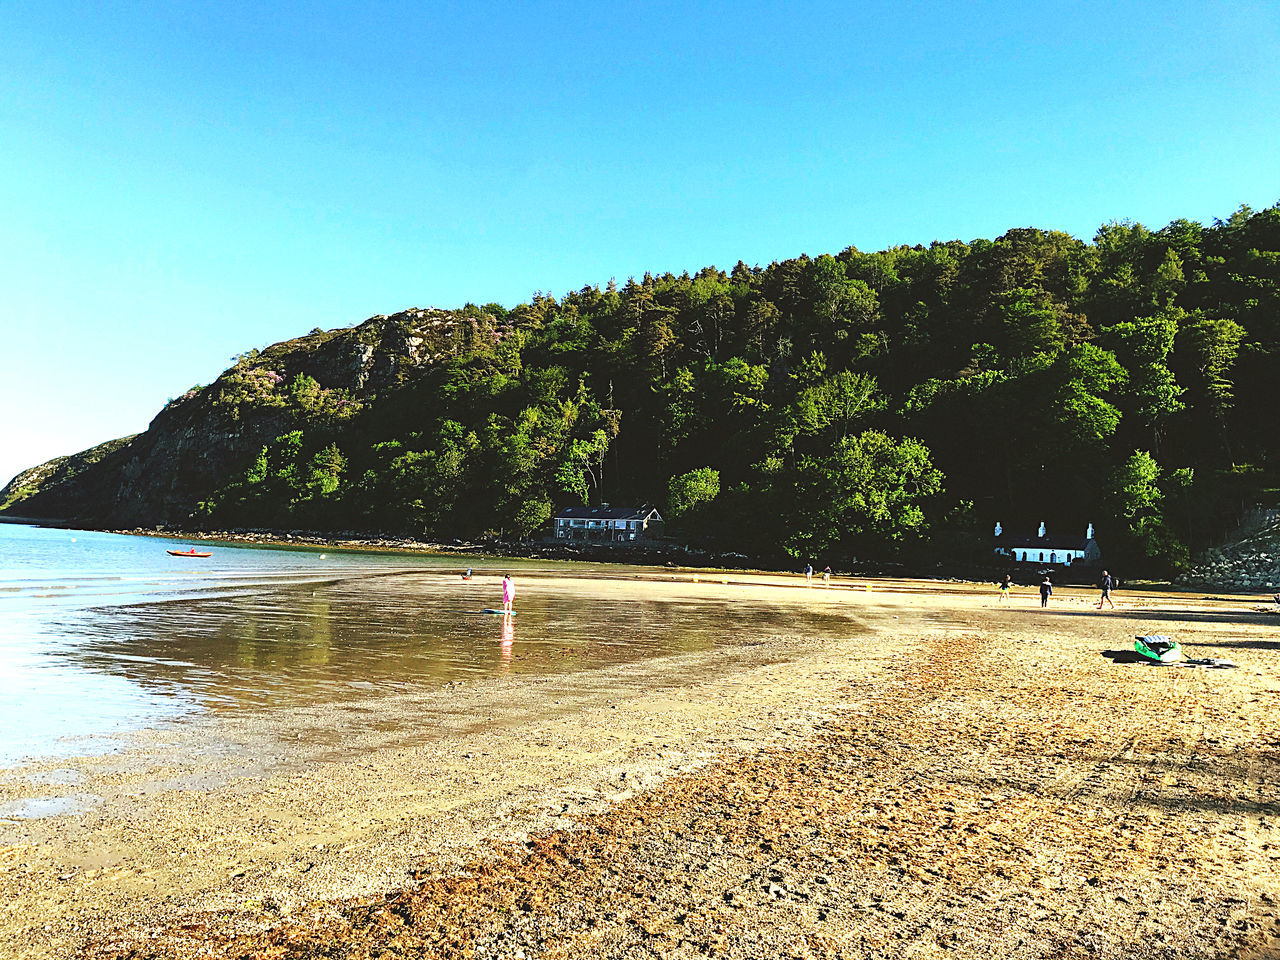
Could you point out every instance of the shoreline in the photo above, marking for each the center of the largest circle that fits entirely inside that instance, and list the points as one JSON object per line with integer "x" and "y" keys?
{"x": 632, "y": 556}
{"x": 650, "y": 554}
{"x": 774, "y": 795}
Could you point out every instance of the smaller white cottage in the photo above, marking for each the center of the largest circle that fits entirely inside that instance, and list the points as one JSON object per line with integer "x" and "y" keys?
{"x": 1046, "y": 548}
{"x": 606, "y": 524}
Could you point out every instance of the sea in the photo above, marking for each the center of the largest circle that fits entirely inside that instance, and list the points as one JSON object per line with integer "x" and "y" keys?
{"x": 103, "y": 635}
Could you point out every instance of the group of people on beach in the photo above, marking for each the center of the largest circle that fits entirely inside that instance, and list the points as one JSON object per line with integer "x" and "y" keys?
{"x": 808, "y": 575}
{"x": 1106, "y": 584}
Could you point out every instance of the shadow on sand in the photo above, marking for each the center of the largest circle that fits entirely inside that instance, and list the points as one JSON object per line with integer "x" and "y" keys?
{"x": 1243, "y": 644}
{"x": 1132, "y": 656}
{"x": 1172, "y": 616}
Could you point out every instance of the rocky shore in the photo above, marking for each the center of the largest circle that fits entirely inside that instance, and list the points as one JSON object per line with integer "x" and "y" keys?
{"x": 652, "y": 553}
{"x": 1250, "y": 563}
{"x": 303, "y": 538}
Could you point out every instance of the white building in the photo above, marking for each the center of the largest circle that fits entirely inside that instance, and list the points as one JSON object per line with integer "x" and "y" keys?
{"x": 606, "y": 524}
{"x": 1045, "y": 548}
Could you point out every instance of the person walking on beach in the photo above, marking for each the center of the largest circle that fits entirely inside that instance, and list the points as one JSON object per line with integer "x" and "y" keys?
{"x": 808, "y": 573}
{"x": 1005, "y": 585}
{"x": 508, "y": 593}
{"x": 1046, "y": 590}
{"x": 826, "y": 577}
{"x": 1106, "y": 583}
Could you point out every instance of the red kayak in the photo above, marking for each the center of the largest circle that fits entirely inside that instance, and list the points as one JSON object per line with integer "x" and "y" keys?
{"x": 187, "y": 553}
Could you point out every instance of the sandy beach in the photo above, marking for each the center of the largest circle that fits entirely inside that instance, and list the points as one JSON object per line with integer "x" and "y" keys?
{"x": 950, "y": 776}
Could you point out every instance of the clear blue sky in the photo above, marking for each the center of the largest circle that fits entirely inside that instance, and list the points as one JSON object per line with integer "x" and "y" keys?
{"x": 182, "y": 182}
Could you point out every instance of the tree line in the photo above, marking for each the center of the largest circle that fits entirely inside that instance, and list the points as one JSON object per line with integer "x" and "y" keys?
{"x": 887, "y": 404}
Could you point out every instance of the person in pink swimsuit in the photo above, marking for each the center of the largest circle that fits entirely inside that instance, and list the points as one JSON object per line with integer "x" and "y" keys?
{"x": 508, "y": 593}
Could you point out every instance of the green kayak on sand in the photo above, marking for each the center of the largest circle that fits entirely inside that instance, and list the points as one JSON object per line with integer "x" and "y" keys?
{"x": 1158, "y": 648}
{"x": 1159, "y": 651}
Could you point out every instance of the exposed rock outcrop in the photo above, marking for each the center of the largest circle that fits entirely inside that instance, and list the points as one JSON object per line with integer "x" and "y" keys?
{"x": 1251, "y": 562}
{"x": 205, "y": 436}
{"x": 56, "y": 474}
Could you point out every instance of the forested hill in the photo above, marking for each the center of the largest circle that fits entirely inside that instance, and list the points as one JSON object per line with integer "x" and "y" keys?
{"x": 853, "y": 404}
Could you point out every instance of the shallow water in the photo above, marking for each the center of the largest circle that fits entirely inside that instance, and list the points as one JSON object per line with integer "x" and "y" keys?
{"x": 104, "y": 634}
{"x": 80, "y": 663}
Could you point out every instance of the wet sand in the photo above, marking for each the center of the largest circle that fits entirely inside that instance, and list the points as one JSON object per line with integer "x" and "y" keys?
{"x": 956, "y": 777}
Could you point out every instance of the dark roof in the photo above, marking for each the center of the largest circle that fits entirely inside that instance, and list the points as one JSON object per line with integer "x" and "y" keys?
{"x": 604, "y": 513}
{"x": 1048, "y": 542}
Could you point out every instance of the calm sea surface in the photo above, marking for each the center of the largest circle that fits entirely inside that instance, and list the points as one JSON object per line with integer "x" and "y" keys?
{"x": 102, "y": 634}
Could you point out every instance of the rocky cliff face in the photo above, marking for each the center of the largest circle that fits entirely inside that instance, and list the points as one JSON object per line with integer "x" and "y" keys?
{"x": 56, "y": 475}
{"x": 200, "y": 439}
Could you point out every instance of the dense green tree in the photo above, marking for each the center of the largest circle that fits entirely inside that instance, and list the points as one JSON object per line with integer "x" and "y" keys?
{"x": 325, "y": 471}
{"x": 691, "y": 489}
{"x": 835, "y": 404}
{"x": 1151, "y": 394}
{"x": 1145, "y": 541}
{"x": 867, "y": 492}
{"x": 1209, "y": 347}
{"x": 1031, "y": 328}
{"x": 1025, "y": 369}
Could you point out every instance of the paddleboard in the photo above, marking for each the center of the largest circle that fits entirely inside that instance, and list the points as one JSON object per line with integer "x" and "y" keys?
{"x": 509, "y": 613}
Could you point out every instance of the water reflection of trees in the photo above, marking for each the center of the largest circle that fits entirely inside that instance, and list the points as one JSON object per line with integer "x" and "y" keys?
{"x": 324, "y": 642}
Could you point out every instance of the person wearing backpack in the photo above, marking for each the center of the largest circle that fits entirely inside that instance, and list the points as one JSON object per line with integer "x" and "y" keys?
{"x": 1107, "y": 584}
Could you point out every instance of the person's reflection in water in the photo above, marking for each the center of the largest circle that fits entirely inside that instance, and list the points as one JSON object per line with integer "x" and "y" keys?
{"x": 508, "y": 638}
